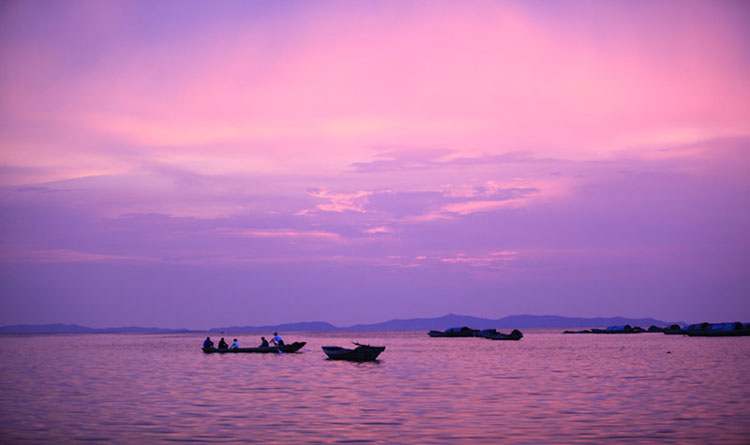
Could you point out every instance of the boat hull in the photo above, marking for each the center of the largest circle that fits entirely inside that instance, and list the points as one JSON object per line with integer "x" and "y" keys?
{"x": 360, "y": 354}
{"x": 443, "y": 334}
{"x": 505, "y": 337}
{"x": 738, "y": 333}
{"x": 293, "y": 347}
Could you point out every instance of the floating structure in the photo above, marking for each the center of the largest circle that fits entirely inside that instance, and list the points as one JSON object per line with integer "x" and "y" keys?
{"x": 491, "y": 334}
{"x": 455, "y": 332}
{"x": 627, "y": 329}
{"x": 362, "y": 353}
{"x": 674, "y": 329}
{"x": 293, "y": 347}
{"x": 735, "y": 329}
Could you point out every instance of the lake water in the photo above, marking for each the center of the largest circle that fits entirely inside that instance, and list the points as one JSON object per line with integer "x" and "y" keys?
{"x": 546, "y": 388}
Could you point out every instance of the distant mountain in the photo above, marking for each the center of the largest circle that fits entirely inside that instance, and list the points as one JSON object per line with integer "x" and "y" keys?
{"x": 441, "y": 323}
{"x": 140, "y": 330}
{"x": 513, "y": 322}
{"x": 438, "y": 323}
{"x": 556, "y": 321}
{"x": 301, "y": 326}
{"x": 59, "y": 328}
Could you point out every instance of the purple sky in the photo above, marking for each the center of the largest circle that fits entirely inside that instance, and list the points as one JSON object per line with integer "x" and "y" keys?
{"x": 182, "y": 164}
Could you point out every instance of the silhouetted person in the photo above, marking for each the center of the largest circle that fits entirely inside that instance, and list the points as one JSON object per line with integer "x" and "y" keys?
{"x": 223, "y": 344}
{"x": 277, "y": 340}
{"x": 208, "y": 343}
{"x": 235, "y": 345}
{"x": 264, "y": 342}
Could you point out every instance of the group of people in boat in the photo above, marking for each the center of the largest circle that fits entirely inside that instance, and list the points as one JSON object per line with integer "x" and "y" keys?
{"x": 276, "y": 340}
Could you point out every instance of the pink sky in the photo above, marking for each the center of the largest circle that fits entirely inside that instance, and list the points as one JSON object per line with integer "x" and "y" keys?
{"x": 189, "y": 165}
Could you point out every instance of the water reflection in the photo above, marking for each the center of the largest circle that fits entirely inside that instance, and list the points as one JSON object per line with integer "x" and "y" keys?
{"x": 545, "y": 388}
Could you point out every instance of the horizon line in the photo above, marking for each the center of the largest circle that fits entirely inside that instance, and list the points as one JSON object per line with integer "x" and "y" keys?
{"x": 333, "y": 326}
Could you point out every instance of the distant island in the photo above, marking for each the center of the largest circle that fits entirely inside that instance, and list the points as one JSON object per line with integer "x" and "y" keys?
{"x": 59, "y": 328}
{"x": 438, "y": 323}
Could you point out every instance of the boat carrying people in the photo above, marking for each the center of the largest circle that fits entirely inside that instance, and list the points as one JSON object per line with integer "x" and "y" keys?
{"x": 292, "y": 347}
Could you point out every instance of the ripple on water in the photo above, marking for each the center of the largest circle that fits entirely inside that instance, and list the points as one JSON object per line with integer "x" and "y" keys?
{"x": 124, "y": 388}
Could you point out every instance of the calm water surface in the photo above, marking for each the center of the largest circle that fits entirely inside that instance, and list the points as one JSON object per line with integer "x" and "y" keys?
{"x": 546, "y": 388}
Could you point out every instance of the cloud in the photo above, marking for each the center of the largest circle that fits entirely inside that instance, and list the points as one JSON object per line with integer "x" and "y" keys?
{"x": 402, "y": 159}
{"x": 228, "y": 98}
{"x": 288, "y": 234}
{"x": 340, "y": 202}
{"x": 465, "y": 208}
{"x": 406, "y": 159}
{"x": 377, "y": 230}
{"x": 492, "y": 259}
{"x": 18, "y": 254}
{"x": 468, "y": 199}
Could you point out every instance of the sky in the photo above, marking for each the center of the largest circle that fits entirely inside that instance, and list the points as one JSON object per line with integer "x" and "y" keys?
{"x": 191, "y": 165}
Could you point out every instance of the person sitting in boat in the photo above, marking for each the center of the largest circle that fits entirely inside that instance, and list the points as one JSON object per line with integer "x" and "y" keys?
{"x": 277, "y": 340}
{"x": 223, "y": 344}
{"x": 235, "y": 345}
{"x": 264, "y": 342}
{"x": 208, "y": 343}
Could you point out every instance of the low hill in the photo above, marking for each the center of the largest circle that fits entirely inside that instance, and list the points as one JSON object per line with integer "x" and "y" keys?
{"x": 512, "y": 322}
{"x": 438, "y": 323}
{"x": 59, "y": 328}
{"x": 301, "y": 326}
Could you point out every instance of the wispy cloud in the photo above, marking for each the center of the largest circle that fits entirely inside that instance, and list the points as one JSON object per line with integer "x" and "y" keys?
{"x": 492, "y": 259}
{"x": 340, "y": 202}
{"x": 66, "y": 256}
{"x": 468, "y": 207}
{"x": 404, "y": 159}
{"x": 377, "y": 230}
{"x": 287, "y": 234}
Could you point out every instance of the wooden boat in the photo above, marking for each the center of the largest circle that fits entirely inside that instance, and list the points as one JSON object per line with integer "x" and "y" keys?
{"x": 454, "y": 332}
{"x": 293, "y": 347}
{"x": 514, "y": 335}
{"x": 362, "y": 353}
